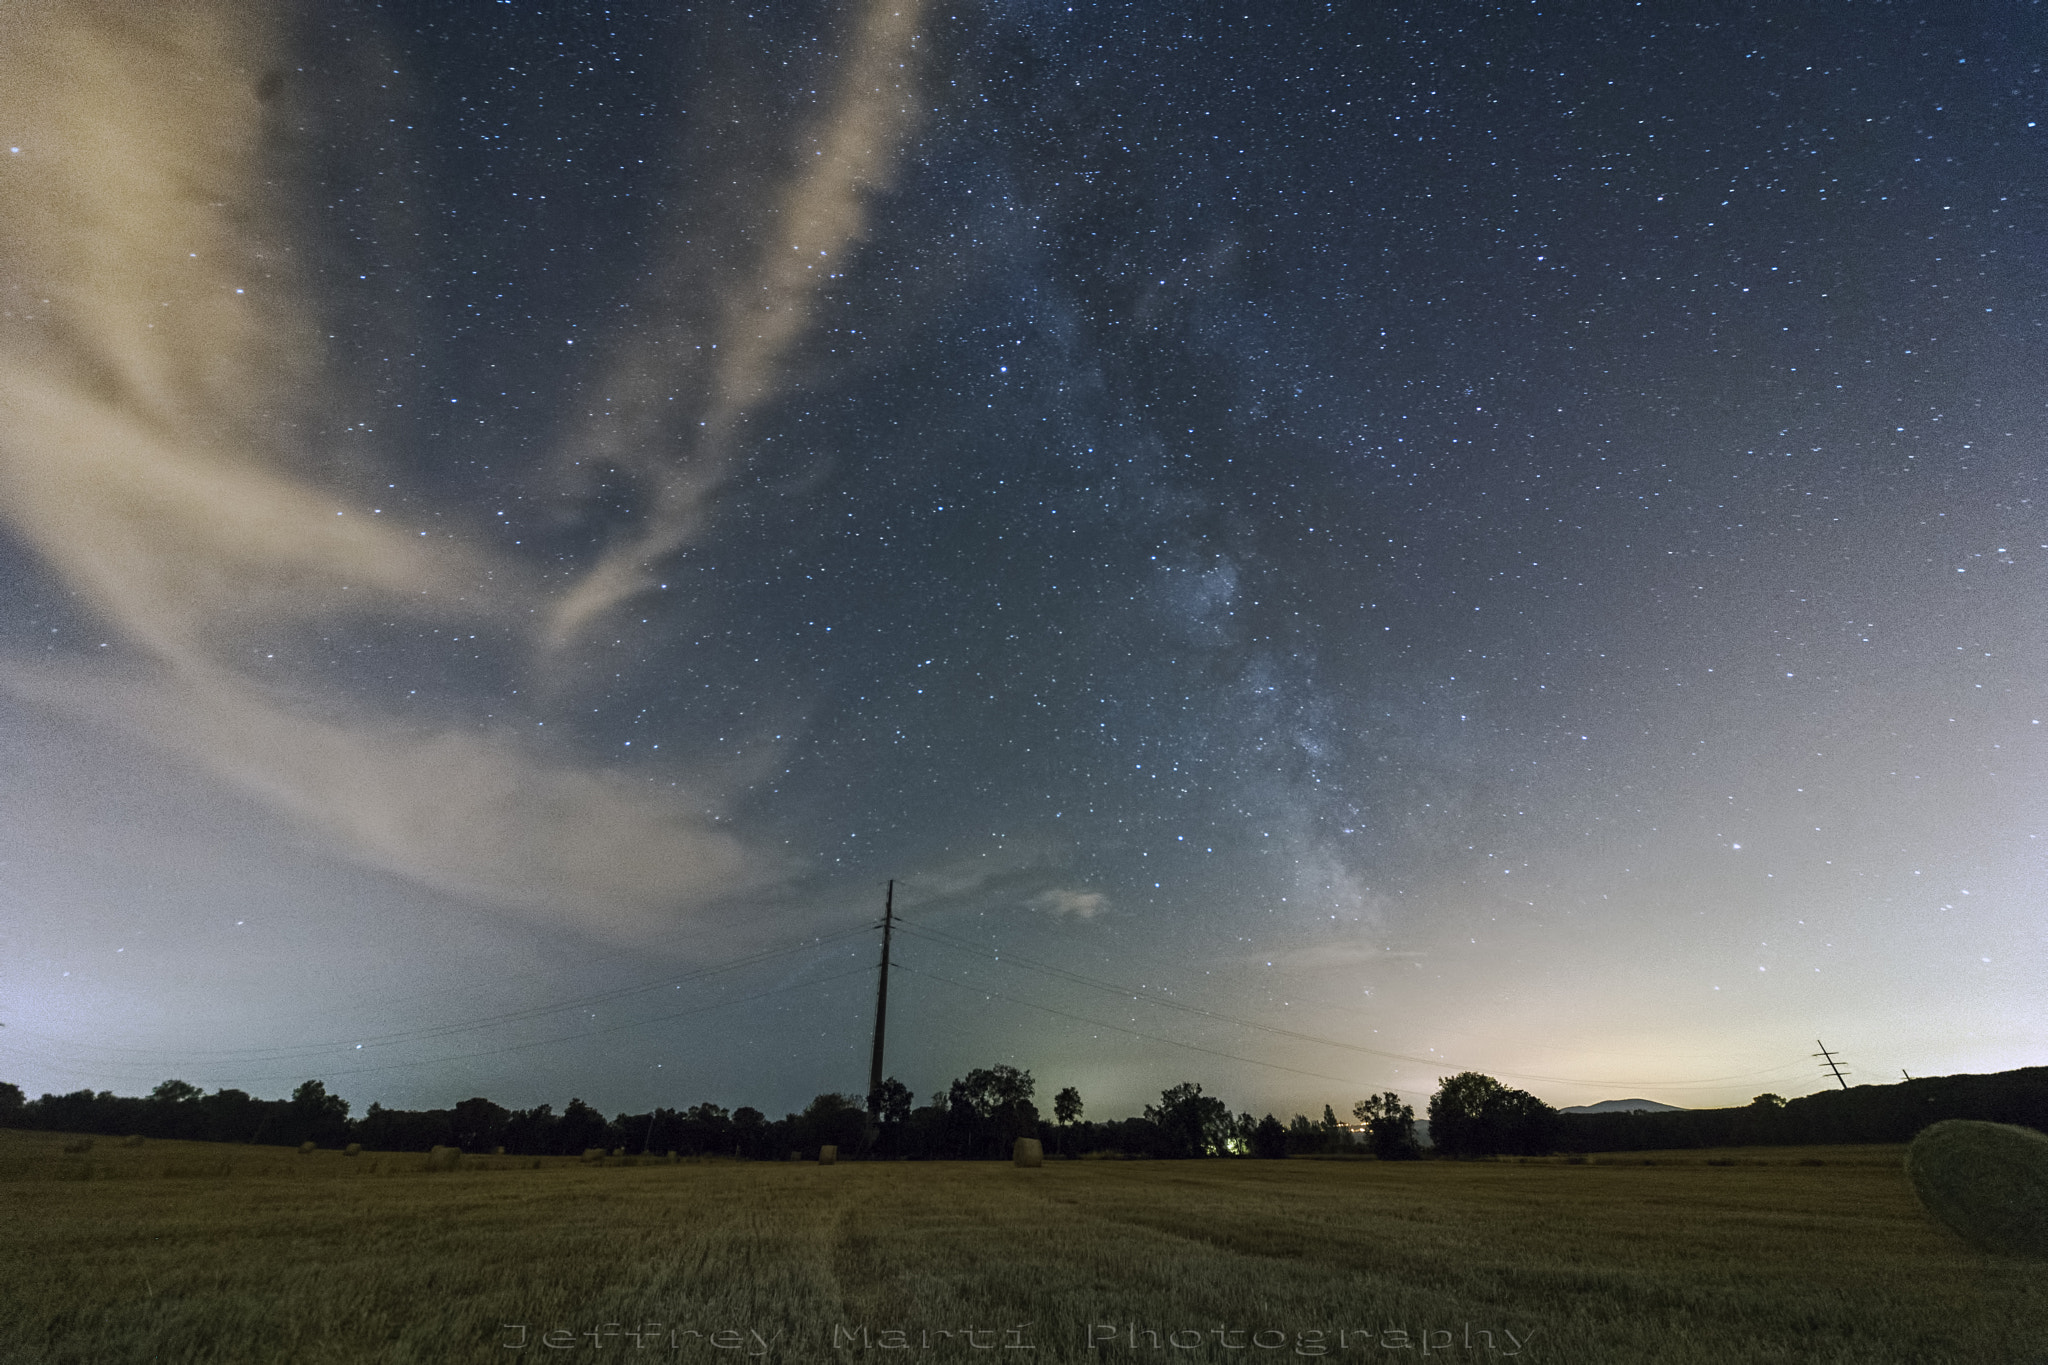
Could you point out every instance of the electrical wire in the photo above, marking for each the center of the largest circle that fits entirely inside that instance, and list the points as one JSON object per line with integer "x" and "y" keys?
{"x": 1119, "y": 1028}
{"x": 611, "y": 996}
{"x": 579, "y": 1036}
{"x": 945, "y": 940}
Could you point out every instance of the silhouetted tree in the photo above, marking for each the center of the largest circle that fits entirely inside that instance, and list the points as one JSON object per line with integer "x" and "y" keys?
{"x": 891, "y": 1102}
{"x": 1191, "y": 1123}
{"x": 1475, "y": 1115}
{"x": 751, "y": 1135}
{"x": 175, "y": 1111}
{"x": 582, "y": 1128}
{"x": 988, "y": 1109}
{"x": 705, "y": 1130}
{"x": 1454, "y": 1112}
{"x": 1269, "y": 1139}
{"x": 830, "y": 1120}
{"x": 1303, "y": 1136}
{"x": 480, "y": 1125}
{"x": 1389, "y": 1127}
{"x": 317, "y": 1116}
{"x": 1066, "y": 1111}
{"x": 530, "y": 1132}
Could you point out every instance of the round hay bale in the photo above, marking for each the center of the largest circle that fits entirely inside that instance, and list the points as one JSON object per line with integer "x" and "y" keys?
{"x": 132, "y": 1140}
{"x": 828, "y": 1155}
{"x": 1988, "y": 1182}
{"x": 592, "y": 1155}
{"x": 618, "y": 1151}
{"x": 1027, "y": 1152}
{"x": 353, "y": 1149}
{"x": 444, "y": 1159}
{"x": 306, "y": 1147}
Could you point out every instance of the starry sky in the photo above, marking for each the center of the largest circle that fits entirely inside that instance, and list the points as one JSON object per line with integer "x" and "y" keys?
{"x": 1319, "y": 547}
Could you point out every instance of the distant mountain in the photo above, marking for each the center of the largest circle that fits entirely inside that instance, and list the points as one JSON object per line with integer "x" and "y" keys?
{"x": 1623, "y": 1107}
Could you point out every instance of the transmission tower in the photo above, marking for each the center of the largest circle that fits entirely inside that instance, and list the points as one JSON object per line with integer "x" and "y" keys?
{"x": 881, "y": 1002}
{"x": 1827, "y": 1063}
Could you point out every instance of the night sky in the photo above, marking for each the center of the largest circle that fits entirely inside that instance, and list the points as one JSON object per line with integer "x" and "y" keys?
{"x": 1320, "y": 547}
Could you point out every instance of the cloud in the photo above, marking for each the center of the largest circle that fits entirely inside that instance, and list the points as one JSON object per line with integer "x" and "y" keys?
{"x": 1080, "y": 904}
{"x": 154, "y": 355}
{"x": 475, "y": 816}
{"x": 160, "y": 370}
{"x": 819, "y": 214}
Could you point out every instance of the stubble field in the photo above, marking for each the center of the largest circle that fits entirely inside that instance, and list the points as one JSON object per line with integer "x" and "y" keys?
{"x": 190, "y": 1252}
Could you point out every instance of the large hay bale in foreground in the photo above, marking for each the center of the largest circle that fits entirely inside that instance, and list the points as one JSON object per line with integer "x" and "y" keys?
{"x": 592, "y": 1155}
{"x": 1986, "y": 1181}
{"x": 306, "y": 1148}
{"x": 1027, "y": 1152}
{"x": 444, "y": 1158}
{"x": 353, "y": 1149}
{"x": 828, "y": 1155}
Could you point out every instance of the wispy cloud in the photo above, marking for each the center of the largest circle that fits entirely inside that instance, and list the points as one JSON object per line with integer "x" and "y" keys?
{"x": 817, "y": 217}
{"x": 160, "y": 365}
{"x": 1063, "y": 901}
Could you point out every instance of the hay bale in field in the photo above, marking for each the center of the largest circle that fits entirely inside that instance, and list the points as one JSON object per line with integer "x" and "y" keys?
{"x": 444, "y": 1159}
{"x": 828, "y": 1155}
{"x": 672, "y": 1157}
{"x": 353, "y": 1149}
{"x": 592, "y": 1155}
{"x": 132, "y": 1140}
{"x": 497, "y": 1151}
{"x": 618, "y": 1151}
{"x": 1988, "y": 1182}
{"x": 306, "y": 1147}
{"x": 1027, "y": 1152}
{"x": 78, "y": 1148}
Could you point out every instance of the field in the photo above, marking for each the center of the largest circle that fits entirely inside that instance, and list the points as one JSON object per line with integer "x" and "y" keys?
{"x": 188, "y": 1252}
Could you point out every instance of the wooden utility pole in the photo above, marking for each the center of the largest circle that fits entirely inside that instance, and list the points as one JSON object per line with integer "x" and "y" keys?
{"x": 881, "y": 1003}
{"x": 1829, "y": 1061}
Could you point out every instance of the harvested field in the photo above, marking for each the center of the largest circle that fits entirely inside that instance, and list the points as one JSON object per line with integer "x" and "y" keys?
{"x": 190, "y": 1252}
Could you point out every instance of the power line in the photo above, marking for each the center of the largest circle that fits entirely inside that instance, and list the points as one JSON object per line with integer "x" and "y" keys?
{"x": 559, "y": 1038}
{"x": 432, "y": 1031}
{"x": 1140, "y": 993}
{"x": 1119, "y": 1028}
{"x": 942, "y": 939}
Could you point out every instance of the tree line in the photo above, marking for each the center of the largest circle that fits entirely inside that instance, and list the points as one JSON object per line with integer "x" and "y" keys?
{"x": 980, "y": 1115}
{"x": 976, "y": 1117}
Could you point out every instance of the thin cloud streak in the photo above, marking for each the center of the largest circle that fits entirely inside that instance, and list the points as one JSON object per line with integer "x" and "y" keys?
{"x": 818, "y": 216}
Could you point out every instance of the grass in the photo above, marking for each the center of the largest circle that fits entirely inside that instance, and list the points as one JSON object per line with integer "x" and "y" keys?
{"x": 188, "y": 1252}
